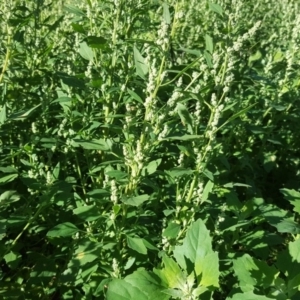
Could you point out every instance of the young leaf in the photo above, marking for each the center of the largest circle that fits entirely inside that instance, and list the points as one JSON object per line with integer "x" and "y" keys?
{"x": 140, "y": 66}
{"x": 3, "y": 114}
{"x": 135, "y": 201}
{"x": 171, "y": 231}
{"x": 209, "y": 44}
{"x": 293, "y": 197}
{"x": 207, "y": 269}
{"x": 9, "y": 197}
{"x": 21, "y": 115}
{"x": 248, "y": 296}
{"x": 93, "y": 144}
{"x": 87, "y": 213}
{"x": 254, "y": 273}
{"x": 185, "y": 117}
{"x": 63, "y": 229}
{"x": 56, "y": 170}
{"x": 148, "y": 282}
{"x": 208, "y": 188}
{"x": 8, "y": 178}
{"x": 137, "y": 245}
{"x": 166, "y": 14}
{"x": 119, "y": 289}
{"x": 197, "y": 243}
{"x": 151, "y": 167}
{"x": 86, "y": 52}
{"x": 86, "y": 252}
{"x": 216, "y": 8}
{"x": 294, "y": 249}
{"x": 172, "y": 274}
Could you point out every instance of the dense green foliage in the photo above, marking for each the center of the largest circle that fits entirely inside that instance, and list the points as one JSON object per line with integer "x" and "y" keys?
{"x": 150, "y": 149}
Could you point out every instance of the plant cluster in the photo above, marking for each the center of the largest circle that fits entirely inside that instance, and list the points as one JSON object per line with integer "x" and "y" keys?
{"x": 149, "y": 149}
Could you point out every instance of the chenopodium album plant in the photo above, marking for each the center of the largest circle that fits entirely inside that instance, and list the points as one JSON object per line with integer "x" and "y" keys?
{"x": 194, "y": 271}
{"x": 147, "y": 136}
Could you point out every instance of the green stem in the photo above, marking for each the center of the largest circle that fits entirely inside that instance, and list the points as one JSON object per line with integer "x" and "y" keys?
{"x": 7, "y": 57}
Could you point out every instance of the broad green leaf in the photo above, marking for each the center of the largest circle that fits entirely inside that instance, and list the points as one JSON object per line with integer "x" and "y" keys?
{"x": 78, "y": 28}
{"x": 21, "y": 115}
{"x": 197, "y": 243}
{"x": 179, "y": 172}
{"x": 172, "y": 274}
{"x": 199, "y": 290}
{"x": 248, "y": 296}
{"x": 56, "y": 170}
{"x": 172, "y": 231}
{"x": 208, "y": 174}
{"x": 255, "y": 57}
{"x": 3, "y": 114}
{"x": 9, "y": 197}
{"x": 293, "y": 197}
{"x": 87, "y": 213}
{"x": 96, "y": 41}
{"x": 119, "y": 289}
{"x": 185, "y": 117}
{"x": 135, "y": 96}
{"x": 8, "y": 178}
{"x": 242, "y": 112}
{"x": 242, "y": 267}
{"x": 86, "y": 252}
{"x": 254, "y": 273}
{"x": 278, "y": 56}
{"x": 176, "y": 294}
{"x": 12, "y": 259}
{"x": 129, "y": 263}
{"x": 74, "y": 10}
{"x": 216, "y": 8}
{"x": 116, "y": 174}
{"x": 65, "y": 102}
{"x": 166, "y": 14}
{"x": 185, "y": 137}
{"x": 140, "y": 65}
{"x": 207, "y": 269}
{"x": 207, "y": 190}
{"x": 92, "y": 144}
{"x": 63, "y": 229}
{"x": 116, "y": 208}
{"x": 148, "y": 282}
{"x": 86, "y": 52}
{"x": 2, "y": 228}
{"x": 286, "y": 264}
{"x": 294, "y": 250}
{"x": 191, "y": 51}
{"x": 293, "y": 286}
{"x": 209, "y": 44}
{"x": 135, "y": 201}
{"x": 137, "y": 245}
{"x": 149, "y": 245}
{"x": 208, "y": 58}
{"x": 151, "y": 167}
{"x": 70, "y": 80}
{"x": 288, "y": 226}
{"x": 9, "y": 169}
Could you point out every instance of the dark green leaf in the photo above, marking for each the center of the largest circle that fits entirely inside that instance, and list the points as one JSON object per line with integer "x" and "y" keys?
{"x": 216, "y": 8}
{"x": 137, "y": 245}
{"x": 172, "y": 231}
{"x": 63, "y": 229}
{"x": 135, "y": 201}
{"x": 86, "y": 52}
{"x": 87, "y": 213}
{"x": 140, "y": 65}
